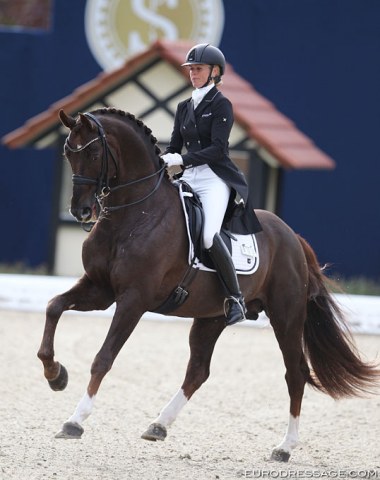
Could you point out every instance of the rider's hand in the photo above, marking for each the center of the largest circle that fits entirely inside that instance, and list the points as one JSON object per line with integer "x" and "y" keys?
{"x": 172, "y": 159}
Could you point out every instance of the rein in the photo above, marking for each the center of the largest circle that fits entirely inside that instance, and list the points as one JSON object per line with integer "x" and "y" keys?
{"x": 159, "y": 172}
{"x": 102, "y": 182}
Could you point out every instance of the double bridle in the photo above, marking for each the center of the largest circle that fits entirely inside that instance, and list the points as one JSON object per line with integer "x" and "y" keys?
{"x": 103, "y": 188}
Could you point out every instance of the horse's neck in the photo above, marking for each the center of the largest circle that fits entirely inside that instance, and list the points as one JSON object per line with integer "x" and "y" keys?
{"x": 140, "y": 235}
{"x": 138, "y": 154}
{"x": 154, "y": 197}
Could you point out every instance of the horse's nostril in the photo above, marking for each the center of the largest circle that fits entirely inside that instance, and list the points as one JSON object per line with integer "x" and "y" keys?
{"x": 86, "y": 213}
{"x": 82, "y": 214}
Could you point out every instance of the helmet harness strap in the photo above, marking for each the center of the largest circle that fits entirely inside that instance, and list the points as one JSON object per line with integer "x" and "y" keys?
{"x": 211, "y": 78}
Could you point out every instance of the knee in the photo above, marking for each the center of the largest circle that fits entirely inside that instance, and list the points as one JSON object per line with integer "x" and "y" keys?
{"x": 54, "y": 308}
{"x": 208, "y": 240}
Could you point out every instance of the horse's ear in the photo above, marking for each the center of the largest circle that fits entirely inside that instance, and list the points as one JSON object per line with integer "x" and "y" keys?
{"x": 67, "y": 120}
{"x": 85, "y": 121}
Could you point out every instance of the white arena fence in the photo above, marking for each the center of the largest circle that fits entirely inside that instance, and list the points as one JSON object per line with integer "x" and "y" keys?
{"x": 31, "y": 293}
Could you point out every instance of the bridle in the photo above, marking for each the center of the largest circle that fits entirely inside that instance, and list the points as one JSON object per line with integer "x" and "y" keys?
{"x": 103, "y": 188}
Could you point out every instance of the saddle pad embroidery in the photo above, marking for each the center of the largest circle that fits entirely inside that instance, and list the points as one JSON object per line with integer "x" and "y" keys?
{"x": 245, "y": 253}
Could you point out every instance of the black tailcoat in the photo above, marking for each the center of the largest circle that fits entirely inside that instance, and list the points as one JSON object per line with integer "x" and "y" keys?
{"x": 204, "y": 132}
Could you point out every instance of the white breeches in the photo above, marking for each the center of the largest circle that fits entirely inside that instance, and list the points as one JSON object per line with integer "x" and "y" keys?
{"x": 214, "y": 194}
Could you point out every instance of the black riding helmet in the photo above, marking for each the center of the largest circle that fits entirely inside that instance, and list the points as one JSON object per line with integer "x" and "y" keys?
{"x": 207, "y": 54}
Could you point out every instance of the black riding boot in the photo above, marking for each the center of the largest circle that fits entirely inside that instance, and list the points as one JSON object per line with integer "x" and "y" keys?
{"x": 234, "y": 304}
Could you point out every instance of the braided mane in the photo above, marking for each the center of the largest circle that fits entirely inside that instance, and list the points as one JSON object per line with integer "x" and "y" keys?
{"x": 129, "y": 116}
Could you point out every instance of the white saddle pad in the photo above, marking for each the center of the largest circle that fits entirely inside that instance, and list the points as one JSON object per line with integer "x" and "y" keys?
{"x": 245, "y": 253}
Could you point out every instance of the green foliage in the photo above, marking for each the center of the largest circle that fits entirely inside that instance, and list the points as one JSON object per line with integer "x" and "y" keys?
{"x": 20, "y": 267}
{"x": 356, "y": 286}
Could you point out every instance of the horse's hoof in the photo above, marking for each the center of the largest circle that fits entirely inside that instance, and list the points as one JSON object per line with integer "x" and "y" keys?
{"x": 70, "y": 431}
{"x": 280, "y": 455}
{"x": 60, "y": 381}
{"x": 155, "y": 432}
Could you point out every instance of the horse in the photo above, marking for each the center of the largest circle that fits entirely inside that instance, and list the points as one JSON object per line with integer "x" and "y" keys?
{"x": 137, "y": 253}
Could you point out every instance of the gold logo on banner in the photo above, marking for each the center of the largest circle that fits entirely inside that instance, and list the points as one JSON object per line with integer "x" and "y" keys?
{"x": 118, "y": 29}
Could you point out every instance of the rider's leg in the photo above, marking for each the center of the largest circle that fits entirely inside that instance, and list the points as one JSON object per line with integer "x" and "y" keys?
{"x": 235, "y": 311}
{"x": 214, "y": 195}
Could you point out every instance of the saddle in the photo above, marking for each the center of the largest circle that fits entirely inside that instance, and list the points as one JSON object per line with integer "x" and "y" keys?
{"x": 242, "y": 247}
{"x": 193, "y": 210}
{"x": 230, "y": 232}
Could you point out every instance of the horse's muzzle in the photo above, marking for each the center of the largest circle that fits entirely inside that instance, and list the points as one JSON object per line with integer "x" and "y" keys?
{"x": 84, "y": 214}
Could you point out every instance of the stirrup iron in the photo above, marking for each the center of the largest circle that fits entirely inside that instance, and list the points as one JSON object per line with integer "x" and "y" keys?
{"x": 239, "y": 316}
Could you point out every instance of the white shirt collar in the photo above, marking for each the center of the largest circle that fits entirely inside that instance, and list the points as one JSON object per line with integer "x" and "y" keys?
{"x": 199, "y": 93}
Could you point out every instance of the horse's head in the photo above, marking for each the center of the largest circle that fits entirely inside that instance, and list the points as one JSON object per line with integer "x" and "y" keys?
{"x": 87, "y": 150}
{"x": 110, "y": 152}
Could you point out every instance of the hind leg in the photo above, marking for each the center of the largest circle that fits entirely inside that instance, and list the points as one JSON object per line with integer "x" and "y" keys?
{"x": 203, "y": 336}
{"x": 289, "y": 338}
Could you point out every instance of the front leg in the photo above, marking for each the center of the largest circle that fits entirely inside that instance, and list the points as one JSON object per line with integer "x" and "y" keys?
{"x": 83, "y": 296}
{"x": 203, "y": 336}
{"x": 128, "y": 312}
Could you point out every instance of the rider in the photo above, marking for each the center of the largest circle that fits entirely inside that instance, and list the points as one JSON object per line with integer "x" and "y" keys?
{"x": 203, "y": 124}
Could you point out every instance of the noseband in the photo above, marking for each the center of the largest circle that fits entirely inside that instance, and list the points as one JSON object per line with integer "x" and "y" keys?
{"x": 102, "y": 182}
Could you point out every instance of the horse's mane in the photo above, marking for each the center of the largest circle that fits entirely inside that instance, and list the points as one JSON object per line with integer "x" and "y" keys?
{"x": 136, "y": 121}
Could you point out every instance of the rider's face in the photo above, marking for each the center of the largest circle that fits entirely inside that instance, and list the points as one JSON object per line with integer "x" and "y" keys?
{"x": 199, "y": 74}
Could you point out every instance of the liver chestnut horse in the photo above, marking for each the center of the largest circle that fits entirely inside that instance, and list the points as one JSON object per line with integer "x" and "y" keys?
{"x": 136, "y": 255}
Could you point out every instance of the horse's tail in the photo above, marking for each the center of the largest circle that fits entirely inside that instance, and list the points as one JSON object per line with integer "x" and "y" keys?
{"x": 337, "y": 368}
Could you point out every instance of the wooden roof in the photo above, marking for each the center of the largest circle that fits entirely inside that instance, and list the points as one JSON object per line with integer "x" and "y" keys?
{"x": 263, "y": 123}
